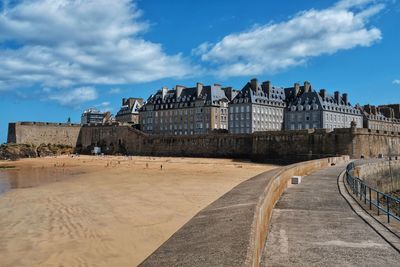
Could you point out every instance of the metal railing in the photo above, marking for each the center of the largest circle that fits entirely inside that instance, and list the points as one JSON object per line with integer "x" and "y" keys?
{"x": 383, "y": 203}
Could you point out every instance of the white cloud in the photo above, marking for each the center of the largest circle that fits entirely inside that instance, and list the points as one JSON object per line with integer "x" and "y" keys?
{"x": 115, "y": 91}
{"x": 69, "y": 43}
{"x": 74, "y": 97}
{"x": 104, "y": 106}
{"x": 278, "y": 46}
{"x": 396, "y": 82}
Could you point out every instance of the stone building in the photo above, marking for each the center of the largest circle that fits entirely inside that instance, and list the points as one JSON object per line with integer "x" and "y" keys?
{"x": 309, "y": 109}
{"x": 186, "y": 111}
{"x": 257, "y": 108}
{"x": 392, "y": 108}
{"x": 129, "y": 112}
{"x": 381, "y": 118}
{"x": 92, "y": 115}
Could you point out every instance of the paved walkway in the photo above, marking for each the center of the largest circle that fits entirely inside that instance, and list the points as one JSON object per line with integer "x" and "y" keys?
{"x": 312, "y": 225}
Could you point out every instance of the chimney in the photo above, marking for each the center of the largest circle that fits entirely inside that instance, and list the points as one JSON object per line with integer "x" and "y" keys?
{"x": 164, "y": 91}
{"x": 217, "y": 85}
{"x": 199, "y": 87}
{"x": 228, "y": 92}
{"x": 266, "y": 87}
{"x": 322, "y": 93}
{"x": 345, "y": 99}
{"x": 337, "y": 97}
{"x": 296, "y": 89}
{"x": 307, "y": 87}
{"x": 179, "y": 89}
{"x": 374, "y": 110}
{"x": 123, "y": 101}
{"x": 254, "y": 84}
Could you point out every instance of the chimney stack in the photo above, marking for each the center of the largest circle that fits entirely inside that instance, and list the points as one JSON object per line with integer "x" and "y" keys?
{"x": 307, "y": 86}
{"x": 179, "y": 89}
{"x": 254, "y": 84}
{"x": 228, "y": 92}
{"x": 322, "y": 93}
{"x": 296, "y": 89}
{"x": 374, "y": 110}
{"x": 199, "y": 87}
{"x": 164, "y": 91}
{"x": 266, "y": 87}
{"x": 123, "y": 101}
{"x": 345, "y": 99}
{"x": 337, "y": 97}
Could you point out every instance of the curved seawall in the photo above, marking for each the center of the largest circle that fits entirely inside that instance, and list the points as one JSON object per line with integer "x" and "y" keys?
{"x": 232, "y": 230}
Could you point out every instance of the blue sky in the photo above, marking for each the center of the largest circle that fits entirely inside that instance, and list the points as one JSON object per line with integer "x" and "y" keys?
{"x": 58, "y": 57}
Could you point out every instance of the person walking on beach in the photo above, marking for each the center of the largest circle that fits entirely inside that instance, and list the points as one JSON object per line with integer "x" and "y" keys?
{"x": 161, "y": 167}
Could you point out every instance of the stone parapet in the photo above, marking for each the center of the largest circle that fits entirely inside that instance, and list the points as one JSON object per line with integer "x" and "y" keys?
{"x": 232, "y": 230}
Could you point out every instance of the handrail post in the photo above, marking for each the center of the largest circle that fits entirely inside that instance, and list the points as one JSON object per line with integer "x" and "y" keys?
{"x": 370, "y": 199}
{"x": 365, "y": 194}
{"x": 361, "y": 189}
{"x": 388, "y": 208}
{"x": 377, "y": 200}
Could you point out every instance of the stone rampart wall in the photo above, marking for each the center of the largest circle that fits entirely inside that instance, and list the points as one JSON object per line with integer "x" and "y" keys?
{"x": 112, "y": 139}
{"x": 384, "y": 175}
{"x": 37, "y": 133}
{"x": 289, "y": 146}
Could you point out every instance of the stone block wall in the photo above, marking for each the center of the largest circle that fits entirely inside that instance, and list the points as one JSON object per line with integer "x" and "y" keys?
{"x": 112, "y": 139}
{"x": 37, "y": 133}
{"x": 281, "y": 146}
{"x": 384, "y": 175}
{"x": 371, "y": 143}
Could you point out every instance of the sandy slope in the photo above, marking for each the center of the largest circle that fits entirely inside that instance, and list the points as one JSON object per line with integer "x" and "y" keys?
{"x": 105, "y": 211}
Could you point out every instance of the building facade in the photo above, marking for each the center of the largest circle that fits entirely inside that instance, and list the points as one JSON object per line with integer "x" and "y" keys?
{"x": 381, "y": 118}
{"x": 92, "y": 115}
{"x": 257, "y": 108}
{"x": 308, "y": 109}
{"x": 186, "y": 111}
{"x": 129, "y": 111}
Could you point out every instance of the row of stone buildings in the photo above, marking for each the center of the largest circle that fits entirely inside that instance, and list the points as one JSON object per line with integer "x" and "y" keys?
{"x": 257, "y": 107}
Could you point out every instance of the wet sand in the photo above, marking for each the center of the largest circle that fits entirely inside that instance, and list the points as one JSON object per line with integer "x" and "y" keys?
{"x": 111, "y": 211}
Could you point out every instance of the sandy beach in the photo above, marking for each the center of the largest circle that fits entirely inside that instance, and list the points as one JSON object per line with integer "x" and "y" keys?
{"x": 110, "y": 211}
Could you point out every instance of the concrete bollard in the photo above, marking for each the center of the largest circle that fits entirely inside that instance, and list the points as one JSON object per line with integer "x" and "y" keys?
{"x": 296, "y": 179}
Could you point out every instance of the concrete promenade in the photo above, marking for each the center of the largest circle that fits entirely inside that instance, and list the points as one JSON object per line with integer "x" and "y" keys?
{"x": 313, "y": 225}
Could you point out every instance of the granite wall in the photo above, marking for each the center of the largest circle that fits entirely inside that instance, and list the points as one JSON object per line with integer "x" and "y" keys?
{"x": 289, "y": 146}
{"x": 37, "y": 133}
{"x": 383, "y": 175}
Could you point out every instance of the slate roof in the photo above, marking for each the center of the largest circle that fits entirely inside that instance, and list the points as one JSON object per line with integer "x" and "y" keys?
{"x": 374, "y": 113}
{"x": 210, "y": 95}
{"x": 313, "y": 100}
{"x": 248, "y": 95}
{"x": 126, "y": 109}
